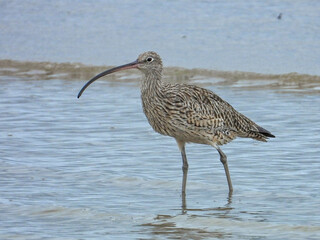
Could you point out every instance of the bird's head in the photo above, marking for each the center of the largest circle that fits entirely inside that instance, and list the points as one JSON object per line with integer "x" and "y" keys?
{"x": 148, "y": 62}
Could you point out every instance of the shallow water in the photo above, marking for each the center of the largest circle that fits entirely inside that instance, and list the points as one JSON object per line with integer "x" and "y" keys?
{"x": 93, "y": 168}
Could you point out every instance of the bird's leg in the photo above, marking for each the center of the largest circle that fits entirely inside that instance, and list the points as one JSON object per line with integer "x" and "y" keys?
{"x": 185, "y": 167}
{"x": 223, "y": 159}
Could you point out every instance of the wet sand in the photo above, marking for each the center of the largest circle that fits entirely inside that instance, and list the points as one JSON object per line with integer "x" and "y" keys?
{"x": 289, "y": 82}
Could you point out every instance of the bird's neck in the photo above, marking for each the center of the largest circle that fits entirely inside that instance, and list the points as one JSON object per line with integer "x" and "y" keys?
{"x": 151, "y": 83}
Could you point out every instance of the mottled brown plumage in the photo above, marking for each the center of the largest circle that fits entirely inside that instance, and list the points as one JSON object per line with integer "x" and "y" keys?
{"x": 188, "y": 113}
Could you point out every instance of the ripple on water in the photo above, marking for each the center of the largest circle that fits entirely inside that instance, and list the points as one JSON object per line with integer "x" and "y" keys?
{"x": 94, "y": 167}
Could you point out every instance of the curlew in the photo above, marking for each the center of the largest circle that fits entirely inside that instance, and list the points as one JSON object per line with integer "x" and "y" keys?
{"x": 188, "y": 113}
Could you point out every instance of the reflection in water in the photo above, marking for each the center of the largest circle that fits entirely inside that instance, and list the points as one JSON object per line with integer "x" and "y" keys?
{"x": 207, "y": 223}
{"x": 167, "y": 225}
{"x": 170, "y": 230}
{"x": 184, "y": 203}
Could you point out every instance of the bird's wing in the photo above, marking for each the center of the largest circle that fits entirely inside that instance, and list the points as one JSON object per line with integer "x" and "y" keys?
{"x": 199, "y": 107}
{"x": 201, "y": 110}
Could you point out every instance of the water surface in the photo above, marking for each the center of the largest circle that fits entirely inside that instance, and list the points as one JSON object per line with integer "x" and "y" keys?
{"x": 93, "y": 168}
{"x": 223, "y": 35}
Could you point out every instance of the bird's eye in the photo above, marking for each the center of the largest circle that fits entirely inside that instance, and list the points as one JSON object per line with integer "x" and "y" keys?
{"x": 149, "y": 59}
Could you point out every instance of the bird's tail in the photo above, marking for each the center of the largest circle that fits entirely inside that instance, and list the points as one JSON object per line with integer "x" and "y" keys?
{"x": 260, "y": 134}
{"x": 265, "y": 132}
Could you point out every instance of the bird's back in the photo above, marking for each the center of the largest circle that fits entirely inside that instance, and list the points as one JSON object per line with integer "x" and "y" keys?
{"x": 193, "y": 114}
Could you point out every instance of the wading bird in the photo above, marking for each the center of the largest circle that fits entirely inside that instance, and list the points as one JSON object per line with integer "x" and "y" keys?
{"x": 188, "y": 113}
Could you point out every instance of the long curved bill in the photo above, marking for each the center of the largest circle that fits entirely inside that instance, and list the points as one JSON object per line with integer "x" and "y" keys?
{"x": 112, "y": 70}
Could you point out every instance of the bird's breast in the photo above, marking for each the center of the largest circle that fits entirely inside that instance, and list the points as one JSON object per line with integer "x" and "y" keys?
{"x": 158, "y": 115}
